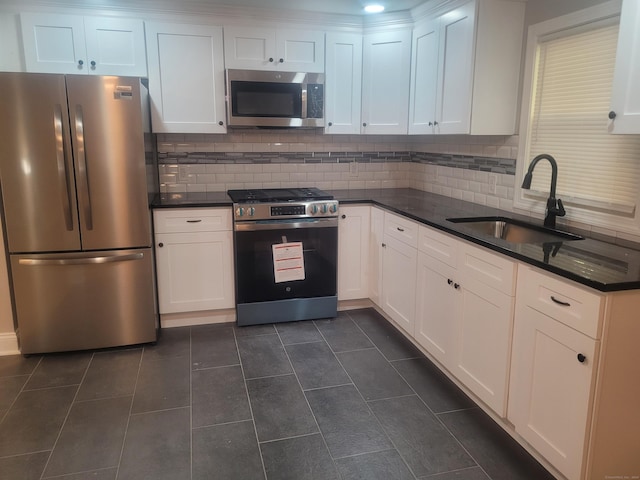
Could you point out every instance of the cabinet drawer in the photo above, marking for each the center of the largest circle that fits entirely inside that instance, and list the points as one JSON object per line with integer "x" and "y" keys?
{"x": 186, "y": 220}
{"x": 401, "y": 229}
{"x": 438, "y": 245}
{"x": 496, "y": 271}
{"x": 565, "y": 302}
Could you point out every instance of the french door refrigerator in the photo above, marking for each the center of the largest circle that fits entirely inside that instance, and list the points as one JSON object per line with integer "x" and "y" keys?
{"x": 74, "y": 180}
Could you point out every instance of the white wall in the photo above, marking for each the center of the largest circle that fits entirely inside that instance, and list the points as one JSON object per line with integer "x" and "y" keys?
{"x": 540, "y": 10}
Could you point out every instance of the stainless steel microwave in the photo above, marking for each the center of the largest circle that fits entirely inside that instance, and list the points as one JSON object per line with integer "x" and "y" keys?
{"x": 275, "y": 99}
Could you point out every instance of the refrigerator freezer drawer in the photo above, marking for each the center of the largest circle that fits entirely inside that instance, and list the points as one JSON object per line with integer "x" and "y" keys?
{"x": 80, "y": 301}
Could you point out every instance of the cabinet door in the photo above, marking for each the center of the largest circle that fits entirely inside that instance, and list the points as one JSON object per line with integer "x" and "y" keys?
{"x": 376, "y": 255}
{"x": 186, "y": 78}
{"x": 550, "y": 391}
{"x": 250, "y": 48}
{"x": 436, "y": 308}
{"x": 483, "y": 342}
{"x": 424, "y": 78}
{"x": 385, "y": 82}
{"x": 53, "y": 43}
{"x": 455, "y": 72}
{"x": 300, "y": 51}
{"x": 115, "y": 46}
{"x": 353, "y": 252}
{"x": 343, "y": 86}
{"x": 398, "y": 282}
{"x": 625, "y": 97}
{"x": 195, "y": 271}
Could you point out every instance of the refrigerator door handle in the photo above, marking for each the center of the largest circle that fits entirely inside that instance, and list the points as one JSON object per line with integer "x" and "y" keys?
{"x": 81, "y": 260}
{"x": 83, "y": 181}
{"x": 61, "y": 158}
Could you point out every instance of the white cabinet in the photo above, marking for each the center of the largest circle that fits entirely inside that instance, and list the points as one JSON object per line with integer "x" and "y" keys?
{"x": 554, "y": 366}
{"x": 465, "y": 69}
{"x": 257, "y": 48}
{"x": 385, "y": 82}
{"x": 464, "y": 311}
{"x": 399, "y": 269}
{"x": 186, "y": 78}
{"x": 625, "y": 96}
{"x": 194, "y": 259}
{"x": 376, "y": 255}
{"x": 353, "y": 252}
{"x": 86, "y": 45}
{"x": 343, "y": 84}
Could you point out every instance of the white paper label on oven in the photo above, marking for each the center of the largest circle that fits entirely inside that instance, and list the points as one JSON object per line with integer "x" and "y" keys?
{"x": 288, "y": 262}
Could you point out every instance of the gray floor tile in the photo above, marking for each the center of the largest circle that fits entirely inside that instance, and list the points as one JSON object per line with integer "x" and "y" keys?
{"x": 162, "y": 384}
{"x": 474, "y": 473}
{"x": 219, "y": 395}
{"x": 12, "y": 365}
{"x": 494, "y": 450}
{"x": 373, "y": 375}
{"x": 9, "y": 389}
{"x": 346, "y": 422}
{"x": 59, "y": 370}
{"x": 393, "y": 344}
{"x": 434, "y": 388}
{"x": 254, "y": 330}
{"x": 298, "y": 332}
{"x": 104, "y": 474}
{"x": 342, "y": 334}
{"x": 213, "y": 346}
{"x": 34, "y": 421}
{"x": 23, "y": 467}
{"x": 300, "y": 458}
{"x": 157, "y": 446}
{"x": 316, "y": 365}
{"x": 172, "y": 342}
{"x": 280, "y": 409}
{"x": 387, "y": 465}
{"x": 92, "y": 436}
{"x": 225, "y": 452}
{"x": 263, "y": 356}
{"x": 111, "y": 374}
{"x": 423, "y": 442}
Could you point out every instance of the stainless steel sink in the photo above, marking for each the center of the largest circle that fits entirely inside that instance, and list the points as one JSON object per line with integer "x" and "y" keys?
{"x": 514, "y": 231}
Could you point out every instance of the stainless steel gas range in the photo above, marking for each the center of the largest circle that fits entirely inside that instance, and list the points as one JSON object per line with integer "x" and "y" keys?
{"x": 286, "y": 252}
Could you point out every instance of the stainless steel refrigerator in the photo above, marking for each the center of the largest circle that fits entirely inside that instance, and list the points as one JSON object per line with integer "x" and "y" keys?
{"x": 74, "y": 178}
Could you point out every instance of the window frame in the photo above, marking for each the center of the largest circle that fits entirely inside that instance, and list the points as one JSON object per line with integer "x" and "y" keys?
{"x": 529, "y": 201}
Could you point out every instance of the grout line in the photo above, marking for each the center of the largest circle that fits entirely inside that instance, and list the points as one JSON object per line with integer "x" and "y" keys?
{"x": 303, "y": 435}
{"x": 214, "y": 368}
{"x": 328, "y": 386}
{"x": 223, "y": 423}
{"x": 22, "y": 389}
{"x": 269, "y": 376}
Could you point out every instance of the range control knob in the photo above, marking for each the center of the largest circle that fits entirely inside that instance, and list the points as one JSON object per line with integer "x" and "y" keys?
{"x": 240, "y": 211}
{"x": 324, "y": 208}
{"x": 252, "y": 211}
{"x": 333, "y": 208}
{"x": 314, "y": 209}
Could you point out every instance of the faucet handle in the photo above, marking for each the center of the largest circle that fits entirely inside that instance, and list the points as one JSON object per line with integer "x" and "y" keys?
{"x": 560, "y": 211}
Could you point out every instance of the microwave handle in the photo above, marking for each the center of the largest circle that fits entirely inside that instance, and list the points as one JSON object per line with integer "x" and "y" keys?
{"x": 304, "y": 101}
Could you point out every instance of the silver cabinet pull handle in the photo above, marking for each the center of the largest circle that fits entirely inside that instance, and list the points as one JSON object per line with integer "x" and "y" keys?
{"x": 194, "y": 221}
{"x": 81, "y": 260}
{"x": 560, "y": 302}
{"x": 400, "y": 229}
{"x": 61, "y": 159}
{"x": 82, "y": 169}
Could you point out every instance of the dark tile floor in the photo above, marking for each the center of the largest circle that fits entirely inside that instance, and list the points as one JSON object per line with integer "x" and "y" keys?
{"x": 348, "y": 398}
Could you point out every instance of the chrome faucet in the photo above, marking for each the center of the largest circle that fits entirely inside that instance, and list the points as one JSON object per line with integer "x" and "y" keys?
{"x": 554, "y": 207}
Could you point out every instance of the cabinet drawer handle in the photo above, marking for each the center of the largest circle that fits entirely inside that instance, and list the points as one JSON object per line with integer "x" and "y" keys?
{"x": 400, "y": 229}
{"x": 384, "y": 245}
{"x": 343, "y": 216}
{"x": 271, "y": 59}
{"x": 456, "y": 286}
{"x": 581, "y": 358}
{"x": 449, "y": 281}
{"x": 161, "y": 244}
{"x": 194, "y": 221}
{"x": 560, "y": 302}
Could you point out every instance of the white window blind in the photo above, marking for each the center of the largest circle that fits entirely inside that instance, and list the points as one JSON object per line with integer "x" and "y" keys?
{"x": 572, "y": 91}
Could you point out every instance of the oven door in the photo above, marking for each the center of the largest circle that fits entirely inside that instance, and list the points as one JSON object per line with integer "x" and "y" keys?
{"x": 255, "y": 273}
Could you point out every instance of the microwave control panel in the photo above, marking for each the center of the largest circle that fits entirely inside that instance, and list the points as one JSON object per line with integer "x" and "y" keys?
{"x": 315, "y": 100}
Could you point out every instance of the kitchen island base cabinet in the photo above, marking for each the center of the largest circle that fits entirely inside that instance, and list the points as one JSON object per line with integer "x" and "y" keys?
{"x": 195, "y": 266}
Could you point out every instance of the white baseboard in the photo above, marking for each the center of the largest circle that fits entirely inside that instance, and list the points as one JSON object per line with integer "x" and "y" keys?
{"x": 172, "y": 320}
{"x": 9, "y": 344}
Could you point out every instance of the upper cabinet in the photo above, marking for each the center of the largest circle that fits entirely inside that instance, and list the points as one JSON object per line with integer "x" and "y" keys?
{"x": 343, "y": 85}
{"x": 465, "y": 69}
{"x": 257, "y": 48}
{"x": 625, "y": 97}
{"x": 186, "y": 78}
{"x": 85, "y": 45}
{"x": 385, "y": 82}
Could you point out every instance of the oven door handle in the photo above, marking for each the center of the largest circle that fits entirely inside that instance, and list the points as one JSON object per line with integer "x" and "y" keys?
{"x": 289, "y": 225}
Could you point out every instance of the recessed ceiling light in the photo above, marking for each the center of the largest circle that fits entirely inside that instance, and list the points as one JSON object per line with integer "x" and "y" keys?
{"x": 374, "y": 8}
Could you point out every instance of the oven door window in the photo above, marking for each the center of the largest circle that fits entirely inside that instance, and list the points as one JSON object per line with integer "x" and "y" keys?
{"x": 264, "y": 99}
{"x": 255, "y": 279}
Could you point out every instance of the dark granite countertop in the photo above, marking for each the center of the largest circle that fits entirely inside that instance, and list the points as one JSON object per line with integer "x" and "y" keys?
{"x": 596, "y": 262}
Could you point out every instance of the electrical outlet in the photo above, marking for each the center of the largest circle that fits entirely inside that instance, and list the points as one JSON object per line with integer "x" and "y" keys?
{"x": 353, "y": 168}
{"x": 493, "y": 182}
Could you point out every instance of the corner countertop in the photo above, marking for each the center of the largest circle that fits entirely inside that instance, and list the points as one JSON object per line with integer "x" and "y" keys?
{"x": 598, "y": 263}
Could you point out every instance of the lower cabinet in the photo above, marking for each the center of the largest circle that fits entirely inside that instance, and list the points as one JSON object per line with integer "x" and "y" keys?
{"x": 398, "y": 285}
{"x": 194, "y": 259}
{"x": 375, "y": 255}
{"x": 353, "y": 252}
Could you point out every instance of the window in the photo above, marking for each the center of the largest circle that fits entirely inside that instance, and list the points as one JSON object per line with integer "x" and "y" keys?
{"x": 566, "y": 116}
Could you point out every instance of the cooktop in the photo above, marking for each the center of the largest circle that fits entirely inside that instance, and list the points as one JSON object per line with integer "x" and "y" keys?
{"x": 263, "y": 195}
